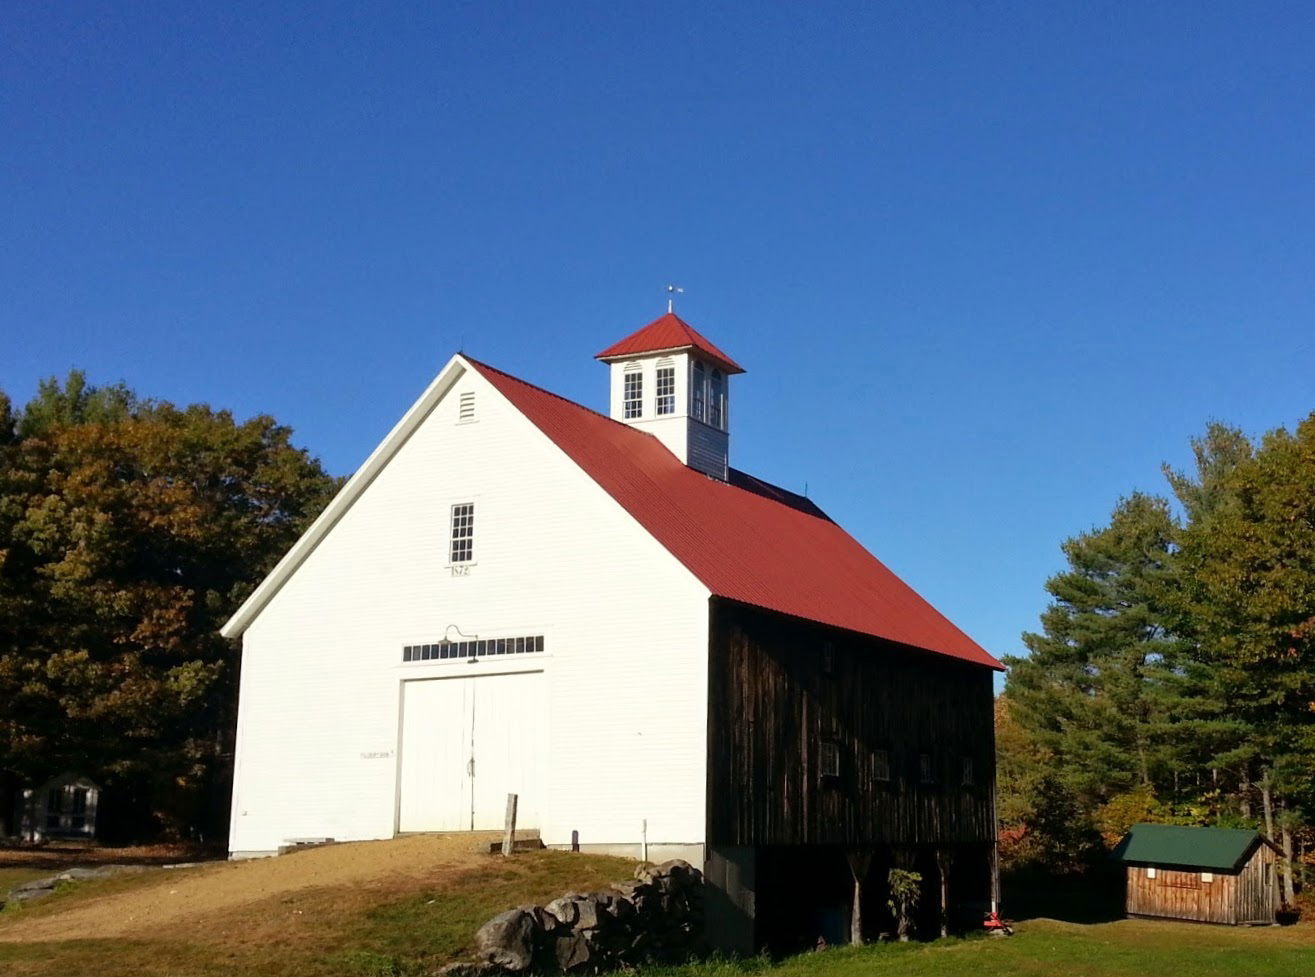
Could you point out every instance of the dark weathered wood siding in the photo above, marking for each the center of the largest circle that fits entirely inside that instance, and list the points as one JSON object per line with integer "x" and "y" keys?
{"x": 772, "y": 705}
{"x": 1247, "y": 896}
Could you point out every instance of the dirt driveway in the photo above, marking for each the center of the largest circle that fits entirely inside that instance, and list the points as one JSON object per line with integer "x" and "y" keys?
{"x": 174, "y": 898}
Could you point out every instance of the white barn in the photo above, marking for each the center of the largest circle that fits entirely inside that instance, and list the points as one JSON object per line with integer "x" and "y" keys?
{"x": 517, "y": 594}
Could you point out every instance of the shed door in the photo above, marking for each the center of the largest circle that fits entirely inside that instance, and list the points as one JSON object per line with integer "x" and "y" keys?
{"x": 466, "y": 743}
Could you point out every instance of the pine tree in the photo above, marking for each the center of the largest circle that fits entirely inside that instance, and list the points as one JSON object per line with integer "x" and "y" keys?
{"x": 1098, "y": 689}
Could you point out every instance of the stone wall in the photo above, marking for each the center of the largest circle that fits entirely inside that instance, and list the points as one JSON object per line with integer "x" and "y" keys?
{"x": 655, "y": 917}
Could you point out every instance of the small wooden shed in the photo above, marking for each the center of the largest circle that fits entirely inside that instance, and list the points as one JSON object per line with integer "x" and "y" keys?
{"x": 62, "y": 807}
{"x": 1209, "y": 875}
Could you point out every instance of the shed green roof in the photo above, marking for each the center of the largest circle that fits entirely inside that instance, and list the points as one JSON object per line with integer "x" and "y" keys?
{"x": 1171, "y": 844}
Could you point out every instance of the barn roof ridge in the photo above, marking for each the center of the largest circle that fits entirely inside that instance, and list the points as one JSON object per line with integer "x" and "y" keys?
{"x": 742, "y": 543}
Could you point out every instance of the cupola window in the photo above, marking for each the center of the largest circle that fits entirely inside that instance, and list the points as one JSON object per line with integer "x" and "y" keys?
{"x": 632, "y": 397}
{"x": 666, "y": 388}
{"x": 698, "y": 391}
{"x": 717, "y": 400}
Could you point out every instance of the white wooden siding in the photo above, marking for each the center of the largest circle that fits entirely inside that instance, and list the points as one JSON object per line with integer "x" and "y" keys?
{"x": 624, "y": 669}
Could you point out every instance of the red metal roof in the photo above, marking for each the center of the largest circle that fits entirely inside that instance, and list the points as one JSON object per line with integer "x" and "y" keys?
{"x": 670, "y": 332}
{"x": 745, "y": 540}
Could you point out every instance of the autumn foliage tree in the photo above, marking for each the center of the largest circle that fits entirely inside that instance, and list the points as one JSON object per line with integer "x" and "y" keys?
{"x": 129, "y": 530}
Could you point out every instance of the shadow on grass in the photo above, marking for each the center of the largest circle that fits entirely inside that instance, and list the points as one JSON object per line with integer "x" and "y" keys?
{"x": 1097, "y": 896}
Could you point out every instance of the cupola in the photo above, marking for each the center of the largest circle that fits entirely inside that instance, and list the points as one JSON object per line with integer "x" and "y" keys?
{"x": 671, "y": 382}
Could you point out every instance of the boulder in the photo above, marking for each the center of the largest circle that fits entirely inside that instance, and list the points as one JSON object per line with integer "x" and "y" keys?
{"x": 507, "y": 940}
{"x": 572, "y": 952}
{"x": 587, "y": 912}
{"x": 564, "y": 909}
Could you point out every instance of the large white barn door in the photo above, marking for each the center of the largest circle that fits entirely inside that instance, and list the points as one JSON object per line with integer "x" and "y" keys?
{"x": 510, "y": 741}
{"x": 466, "y": 744}
{"x": 436, "y": 735}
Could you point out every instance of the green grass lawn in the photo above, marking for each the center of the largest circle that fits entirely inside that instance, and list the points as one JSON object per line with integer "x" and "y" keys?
{"x": 347, "y": 933}
{"x": 1046, "y": 948}
{"x": 400, "y": 941}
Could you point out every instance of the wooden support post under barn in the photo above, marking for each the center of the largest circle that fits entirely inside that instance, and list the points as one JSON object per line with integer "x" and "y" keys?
{"x": 944, "y": 861}
{"x": 1207, "y": 875}
{"x": 860, "y": 860}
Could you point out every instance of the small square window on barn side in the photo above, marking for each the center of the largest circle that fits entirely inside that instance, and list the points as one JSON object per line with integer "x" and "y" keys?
{"x": 881, "y": 765}
{"x": 926, "y": 772}
{"x": 1150, "y": 873}
{"x": 828, "y": 759}
{"x": 1207, "y": 876}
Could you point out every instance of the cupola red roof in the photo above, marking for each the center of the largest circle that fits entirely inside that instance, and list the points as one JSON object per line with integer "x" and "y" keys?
{"x": 670, "y": 333}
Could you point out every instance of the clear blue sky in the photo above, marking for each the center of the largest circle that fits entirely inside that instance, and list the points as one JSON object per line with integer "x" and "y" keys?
{"x": 988, "y": 264}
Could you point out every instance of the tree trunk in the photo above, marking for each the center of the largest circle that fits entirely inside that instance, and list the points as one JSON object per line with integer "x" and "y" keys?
{"x": 945, "y": 859}
{"x": 1267, "y": 801}
{"x": 1244, "y": 792}
{"x": 1289, "y": 885}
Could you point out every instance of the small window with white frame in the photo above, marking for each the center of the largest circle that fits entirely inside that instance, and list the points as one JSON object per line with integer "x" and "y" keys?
{"x": 632, "y": 393}
{"x": 1207, "y": 876}
{"x": 665, "y": 395}
{"x": 462, "y": 546}
{"x": 1150, "y": 872}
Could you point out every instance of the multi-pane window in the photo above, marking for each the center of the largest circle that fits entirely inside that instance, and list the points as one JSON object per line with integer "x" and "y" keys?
{"x": 462, "y": 548}
{"x": 926, "y": 773}
{"x": 717, "y": 399}
{"x": 466, "y": 650}
{"x": 666, "y": 389}
{"x": 828, "y": 759}
{"x": 881, "y": 765}
{"x": 632, "y": 394}
{"x": 698, "y": 391}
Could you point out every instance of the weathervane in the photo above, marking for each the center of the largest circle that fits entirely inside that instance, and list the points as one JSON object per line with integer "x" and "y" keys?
{"x": 672, "y": 292}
